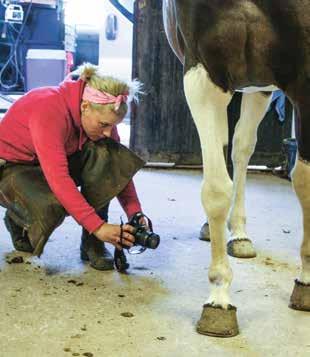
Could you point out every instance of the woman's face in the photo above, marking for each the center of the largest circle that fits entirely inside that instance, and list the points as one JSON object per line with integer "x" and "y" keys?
{"x": 98, "y": 124}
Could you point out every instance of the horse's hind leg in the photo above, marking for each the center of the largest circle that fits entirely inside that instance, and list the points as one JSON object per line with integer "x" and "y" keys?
{"x": 208, "y": 105}
{"x": 300, "y": 299}
{"x": 253, "y": 109}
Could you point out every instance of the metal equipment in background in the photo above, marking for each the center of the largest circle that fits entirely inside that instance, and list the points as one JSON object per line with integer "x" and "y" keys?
{"x": 14, "y": 13}
{"x": 87, "y": 45}
{"x": 27, "y": 25}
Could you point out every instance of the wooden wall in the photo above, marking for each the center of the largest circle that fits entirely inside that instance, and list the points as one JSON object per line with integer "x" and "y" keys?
{"x": 162, "y": 129}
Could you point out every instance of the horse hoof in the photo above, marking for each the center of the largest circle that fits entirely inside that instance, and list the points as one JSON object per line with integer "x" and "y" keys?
{"x": 218, "y": 322}
{"x": 205, "y": 232}
{"x": 300, "y": 298}
{"x": 241, "y": 248}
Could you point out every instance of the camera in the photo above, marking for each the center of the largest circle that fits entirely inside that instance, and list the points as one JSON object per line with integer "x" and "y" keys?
{"x": 143, "y": 236}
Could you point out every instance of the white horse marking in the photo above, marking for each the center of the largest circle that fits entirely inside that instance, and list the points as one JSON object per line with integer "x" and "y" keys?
{"x": 253, "y": 109}
{"x": 208, "y": 105}
{"x": 301, "y": 181}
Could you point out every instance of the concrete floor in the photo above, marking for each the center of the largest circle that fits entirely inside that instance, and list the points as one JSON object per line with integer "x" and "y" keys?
{"x": 58, "y": 306}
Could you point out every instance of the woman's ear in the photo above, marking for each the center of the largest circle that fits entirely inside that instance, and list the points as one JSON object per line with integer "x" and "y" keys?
{"x": 84, "y": 106}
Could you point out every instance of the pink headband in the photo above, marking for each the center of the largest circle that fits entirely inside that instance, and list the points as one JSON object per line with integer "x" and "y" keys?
{"x": 95, "y": 96}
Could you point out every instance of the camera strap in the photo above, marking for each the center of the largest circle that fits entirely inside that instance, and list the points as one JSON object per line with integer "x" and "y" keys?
{"x": 120, "y": 259}
{"x": 122, "y": 231}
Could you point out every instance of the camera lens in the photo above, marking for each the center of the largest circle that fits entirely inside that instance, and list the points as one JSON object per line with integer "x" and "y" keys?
{"x": 153, "y": 241}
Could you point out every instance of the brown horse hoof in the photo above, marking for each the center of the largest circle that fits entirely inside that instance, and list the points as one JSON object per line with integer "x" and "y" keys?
{"x": 241, "y": 248}
{"x": 218, "y": 322}
{"x": 205, "y": 232}
{"x": 300, "y": 298}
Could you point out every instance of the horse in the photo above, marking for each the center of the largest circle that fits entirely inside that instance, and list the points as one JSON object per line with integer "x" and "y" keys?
{"x": 253, "y": 46}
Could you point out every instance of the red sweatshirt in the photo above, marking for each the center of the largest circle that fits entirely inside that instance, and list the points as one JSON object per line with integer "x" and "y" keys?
{"x": 45, "y": 126}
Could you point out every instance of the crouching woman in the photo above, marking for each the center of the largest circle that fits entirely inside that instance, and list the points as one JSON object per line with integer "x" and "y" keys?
{"x": 54, "y": 139}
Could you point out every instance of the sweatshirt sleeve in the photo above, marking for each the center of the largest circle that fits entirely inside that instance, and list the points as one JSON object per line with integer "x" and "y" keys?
{"x": 49, "y": 136}
{"x": 128, "y": 198}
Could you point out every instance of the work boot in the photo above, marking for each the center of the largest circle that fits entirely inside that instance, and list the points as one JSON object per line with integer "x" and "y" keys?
{"x": 94, "y": 251}
{"x": 19, "y": 238}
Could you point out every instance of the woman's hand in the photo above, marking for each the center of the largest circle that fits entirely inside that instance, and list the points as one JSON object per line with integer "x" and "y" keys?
{"x": 142, "y": 220}
{"x": 111, "y": 233}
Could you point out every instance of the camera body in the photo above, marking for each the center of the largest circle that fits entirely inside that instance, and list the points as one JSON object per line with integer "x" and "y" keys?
{"x": 143, "y": 236}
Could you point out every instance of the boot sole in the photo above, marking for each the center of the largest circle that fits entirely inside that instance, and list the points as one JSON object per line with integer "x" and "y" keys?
{"x": 26, "y": 241}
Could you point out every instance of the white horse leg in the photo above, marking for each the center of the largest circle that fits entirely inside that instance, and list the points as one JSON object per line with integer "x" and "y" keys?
{"x": 253, "y": 109}
{"x": 223, "y": 129}
{"x": 300, "y": 299}
{"x": 208, "y": 107}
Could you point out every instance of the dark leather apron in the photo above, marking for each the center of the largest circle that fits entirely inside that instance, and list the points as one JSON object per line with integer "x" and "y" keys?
{"x": 102, "y": 169}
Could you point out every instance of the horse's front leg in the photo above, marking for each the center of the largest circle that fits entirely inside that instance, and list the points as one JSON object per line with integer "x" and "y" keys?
{"x": 253, "y": 109}
{"x": 208, "y": 105}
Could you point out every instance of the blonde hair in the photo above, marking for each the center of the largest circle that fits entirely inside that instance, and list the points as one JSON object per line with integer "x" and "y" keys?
{"x": 94, "y": 77}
